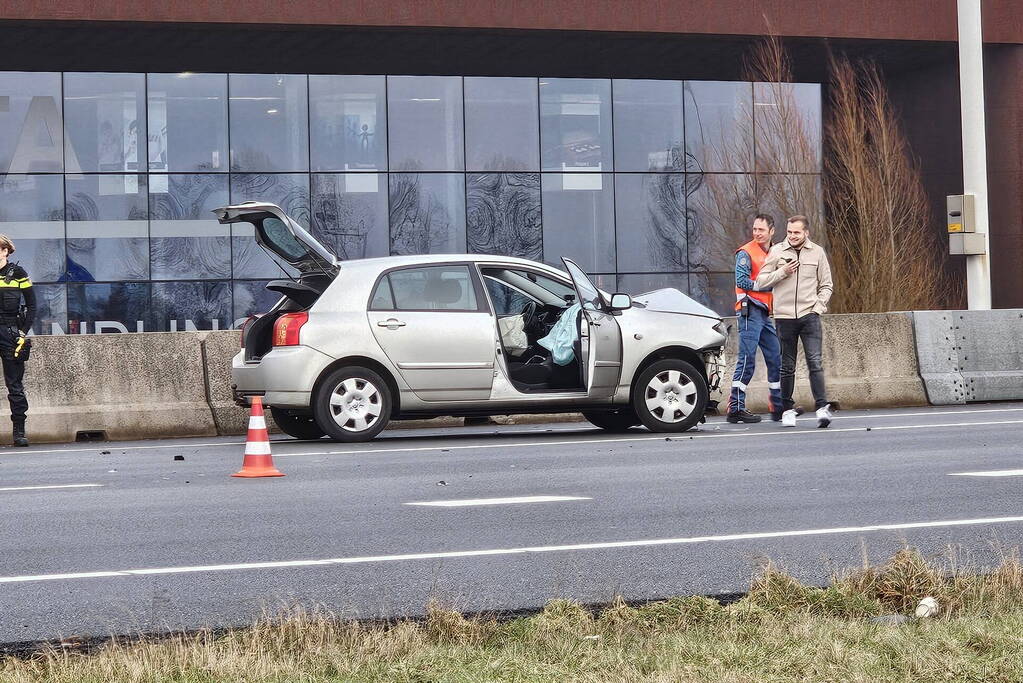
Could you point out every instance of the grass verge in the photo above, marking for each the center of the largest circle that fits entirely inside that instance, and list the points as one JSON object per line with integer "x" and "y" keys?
{"x": 780, "y": 631}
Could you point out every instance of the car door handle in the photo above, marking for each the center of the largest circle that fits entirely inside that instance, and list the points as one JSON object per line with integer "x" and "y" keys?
{"x": 391, "y": 323}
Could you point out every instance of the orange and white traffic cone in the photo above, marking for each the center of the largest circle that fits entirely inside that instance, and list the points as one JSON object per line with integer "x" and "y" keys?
{"x": 258, "y": 460}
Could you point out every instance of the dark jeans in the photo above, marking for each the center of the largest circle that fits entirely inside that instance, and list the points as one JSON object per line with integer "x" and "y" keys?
{"x": 756, "y": 330}
{"x": 808, "y": 329}
{"x": 14, "y": 373}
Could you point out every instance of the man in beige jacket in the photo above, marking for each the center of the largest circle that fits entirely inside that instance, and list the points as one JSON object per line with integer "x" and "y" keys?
{"x": 800, "y": 275}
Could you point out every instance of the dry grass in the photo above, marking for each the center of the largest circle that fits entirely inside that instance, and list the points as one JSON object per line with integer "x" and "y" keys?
{"x": 781, "y": 631}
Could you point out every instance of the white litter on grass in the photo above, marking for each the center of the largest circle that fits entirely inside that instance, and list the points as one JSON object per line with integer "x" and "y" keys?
{"x": 928, "y": 607}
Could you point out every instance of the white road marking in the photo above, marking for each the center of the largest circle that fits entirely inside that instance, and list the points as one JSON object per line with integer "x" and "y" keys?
{"x": 991, "y": 473}
{"x": 496, "y": 501}
{"x": 113, "y": 446}
{"x": 59, "y": 486}
{"x": 682, "y": 437}
{"x": 508, "y": 551}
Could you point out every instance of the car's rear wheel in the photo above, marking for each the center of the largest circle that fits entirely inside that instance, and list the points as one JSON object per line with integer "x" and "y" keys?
{"x": 613, "y": 420}
{"x": 299, "y": 425}
{"x": 352, "y": 404}
{"x": 670, "y": 396}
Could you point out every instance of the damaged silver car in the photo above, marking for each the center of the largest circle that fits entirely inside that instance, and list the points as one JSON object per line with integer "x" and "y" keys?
{"x": 351, "y": 345}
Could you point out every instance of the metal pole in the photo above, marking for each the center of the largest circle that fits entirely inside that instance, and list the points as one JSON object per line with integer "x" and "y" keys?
{"x": 971, "y": 87}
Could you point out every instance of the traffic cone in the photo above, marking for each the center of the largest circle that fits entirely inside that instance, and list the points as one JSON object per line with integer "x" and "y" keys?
{"x": 258, "y": 461}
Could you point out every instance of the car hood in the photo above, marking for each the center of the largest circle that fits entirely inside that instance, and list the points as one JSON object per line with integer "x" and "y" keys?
{"x": 671, "y": 300}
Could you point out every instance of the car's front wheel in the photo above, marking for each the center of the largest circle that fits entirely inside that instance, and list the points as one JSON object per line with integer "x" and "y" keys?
{"x": 299, "y": 425}
{"x": 352, "y": 404}
{"x": 670, "y": 396}
{"x": 612, "y": 421}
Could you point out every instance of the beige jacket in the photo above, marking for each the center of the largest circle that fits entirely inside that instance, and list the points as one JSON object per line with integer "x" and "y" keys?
{"x": 806, "y": 291}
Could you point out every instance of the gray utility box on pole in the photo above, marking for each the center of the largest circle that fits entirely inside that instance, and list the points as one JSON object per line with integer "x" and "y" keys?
{"x": 961, "y": 215}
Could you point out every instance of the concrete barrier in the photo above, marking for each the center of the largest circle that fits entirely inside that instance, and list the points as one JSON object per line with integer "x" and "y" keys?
{"x": 969, "y": 356}
{"x": 869, "y": 362}
{"x": 123, "y": 386}
{"x": 218, "y": 348}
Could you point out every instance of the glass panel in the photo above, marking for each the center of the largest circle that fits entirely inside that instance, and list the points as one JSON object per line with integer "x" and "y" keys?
{"x": 648, "y": 126}
{"x": 650, "y": 212}
{"x": 31, "y": 129}
{"x": 714, "y": 290}
{"x": 427, "y": 213}
{"x": 382, "y": 299}
{"x": 439, "y": 288}
{"x": 788, "y": 127}
{"x": 719, "y": 126}
{"x": 349, "y": 213}
{"x": 32, "y": 214}
{"x": 578, "y": 219}
{"x": 107, "y": 227}
{"x": 721, "y": 210}
{"x": 787, "y": 195}
{"x": 187, "y": 122}
{"x": 503, "y": 214}
{"x": 502, "y": 124}
{"x": 290, "y": 192}
{"x": 191, "y": 306}
{"x": 98, "y": 307}
{"x": 589, "y": 297}
{"x": 505, "y": 299}
{"x": 640, "y": 283}
{"x": 186, "y": 240}
{"x": 51, "y": 309}
{"x": 425, "y": 123}
{"x": 575, "y": 124}
{"x": 269, "y": 123}
{"x": 105, "y": 119}
{"x": 348, "y": 118}
{"x": 251, "y": 298}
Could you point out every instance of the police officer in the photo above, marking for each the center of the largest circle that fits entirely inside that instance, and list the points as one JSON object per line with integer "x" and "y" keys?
{"x": 16, "y": 320}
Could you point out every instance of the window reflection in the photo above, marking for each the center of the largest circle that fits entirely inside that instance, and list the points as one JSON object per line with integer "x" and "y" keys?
{"x": 186, "y": 240}
{"x": 105, "y": 120}
{"x": 719, "y": 126}
{"x": 191, "y": 306}
{"x": 502, "y": 124}
{"x": 187, "y": 122}
{"x": 788, "y": 127}
{"x": 425, "y": 123}
{"x": 349, "y": 213}
{"x": 31, "y": 127}
{"x": 650, "y": 223}
{"x": 269, "y": 123}
{"x": 32, "y": 214}
{"x": 578, "y": 220}
{"x": 427, "y": 213}
{"x": 107, "y": 227}
{"x": 575, "y": 124}
{"x": 348, "y": 117}
{"x": 648, "y": 128}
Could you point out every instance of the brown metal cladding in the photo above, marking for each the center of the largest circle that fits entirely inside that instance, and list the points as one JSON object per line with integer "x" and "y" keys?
{"x": 883, "y": 19}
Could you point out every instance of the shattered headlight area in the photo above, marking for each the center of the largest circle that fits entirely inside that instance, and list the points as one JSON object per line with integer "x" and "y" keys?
{"x": 715, "y": 364}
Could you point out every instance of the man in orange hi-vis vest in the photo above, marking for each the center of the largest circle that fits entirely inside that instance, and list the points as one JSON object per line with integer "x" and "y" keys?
{"x": 756, "y": 329}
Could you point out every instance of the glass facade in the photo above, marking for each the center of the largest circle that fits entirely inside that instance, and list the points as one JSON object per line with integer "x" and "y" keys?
{"x": 107, "y": 180}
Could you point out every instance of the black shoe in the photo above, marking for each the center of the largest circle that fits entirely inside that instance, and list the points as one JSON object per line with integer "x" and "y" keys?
{"x": 743, "y": 416}
{"x": 20, "y": 439}
{"x": 776, "y": 415}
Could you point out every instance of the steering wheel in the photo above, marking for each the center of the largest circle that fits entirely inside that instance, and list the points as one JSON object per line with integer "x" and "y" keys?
{"x": 529, "y": 318}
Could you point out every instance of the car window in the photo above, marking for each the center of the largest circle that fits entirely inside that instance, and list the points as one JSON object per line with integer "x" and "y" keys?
{"x": 435, "y": 288}
{"x": 506, "y": 299}
{"x": 589, "y": 296}
{"x": 382, "y": 299}
{"x": 279, "y": 236}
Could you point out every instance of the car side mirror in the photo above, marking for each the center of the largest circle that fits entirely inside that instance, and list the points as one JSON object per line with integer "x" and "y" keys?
{"x": 620, "y": 302}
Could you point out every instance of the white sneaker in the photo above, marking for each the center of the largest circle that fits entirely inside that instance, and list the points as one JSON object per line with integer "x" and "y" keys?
{"x": 824, "y": 417}
{"x": 788, "y": 418}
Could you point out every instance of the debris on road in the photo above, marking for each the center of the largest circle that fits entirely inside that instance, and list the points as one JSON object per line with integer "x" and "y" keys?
{"x": 442, "y": 483}
{"x": 179, "y": 457}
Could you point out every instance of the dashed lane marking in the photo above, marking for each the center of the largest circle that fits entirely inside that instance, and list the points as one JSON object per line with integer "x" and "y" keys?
{"x": 991, "y": 473}
{"x": 55, "y": 486}
{"x": 496, "y": 501}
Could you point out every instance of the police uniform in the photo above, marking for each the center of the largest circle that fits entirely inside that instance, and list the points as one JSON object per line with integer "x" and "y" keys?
{"x": 17, "y": 314}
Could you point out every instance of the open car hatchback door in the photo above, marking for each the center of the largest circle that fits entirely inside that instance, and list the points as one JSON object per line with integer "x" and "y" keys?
{"x": 282, "y": 237}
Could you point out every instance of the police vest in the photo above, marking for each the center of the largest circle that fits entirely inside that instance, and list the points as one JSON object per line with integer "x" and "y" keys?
{"x": 757, "y": 256}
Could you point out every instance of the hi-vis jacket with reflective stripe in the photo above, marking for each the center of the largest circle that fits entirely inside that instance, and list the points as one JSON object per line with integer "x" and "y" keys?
{"x": 745, "y": 287}
{"x": 16, "y": 286}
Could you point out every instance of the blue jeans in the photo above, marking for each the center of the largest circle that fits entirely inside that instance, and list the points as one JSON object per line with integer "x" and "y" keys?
{"x": 756, "y": 330}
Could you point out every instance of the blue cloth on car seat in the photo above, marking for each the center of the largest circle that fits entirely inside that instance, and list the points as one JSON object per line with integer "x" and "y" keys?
{"x": 560, "y": 341}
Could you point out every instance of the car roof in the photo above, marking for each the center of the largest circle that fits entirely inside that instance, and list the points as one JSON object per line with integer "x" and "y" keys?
{"x": 386, "y": 262}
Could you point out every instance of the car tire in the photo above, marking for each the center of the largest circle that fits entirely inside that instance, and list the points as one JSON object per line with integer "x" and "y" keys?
{"x": 352, "y": 404}
{"x": 298, "y": 425}
{"x": 670, "y": 395}
{"x": 612, "y": 420}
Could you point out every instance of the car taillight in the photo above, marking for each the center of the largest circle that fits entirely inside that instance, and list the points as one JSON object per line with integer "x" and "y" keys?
{"x": 287, "y": 327}
{"x": 245, "y": 326}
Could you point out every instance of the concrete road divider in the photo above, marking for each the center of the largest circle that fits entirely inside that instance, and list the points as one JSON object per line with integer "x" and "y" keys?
{"x": 869, "y": 362}
{"x": 969, "y": 356}
{"x": 115, "y": 386}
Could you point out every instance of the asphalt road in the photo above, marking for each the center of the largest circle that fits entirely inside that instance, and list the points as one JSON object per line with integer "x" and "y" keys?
{"x": 134, "y": 540}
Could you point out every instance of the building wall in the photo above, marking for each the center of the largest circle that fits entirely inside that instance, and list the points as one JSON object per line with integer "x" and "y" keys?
{"x": 107, "y": 180}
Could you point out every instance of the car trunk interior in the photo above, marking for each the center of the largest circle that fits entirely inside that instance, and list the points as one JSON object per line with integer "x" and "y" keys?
{"x": 296, "y": 297}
